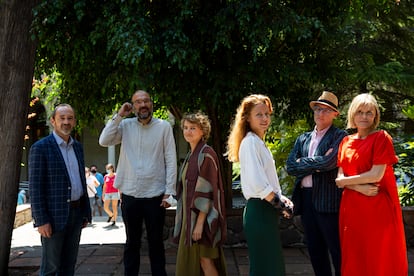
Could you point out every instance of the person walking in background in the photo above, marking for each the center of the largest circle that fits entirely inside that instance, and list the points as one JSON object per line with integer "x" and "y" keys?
{"x": 370, "y": 217}
{"x": 58, "y": 196}
{"x": 260, "y": 185}
{"x": 200, "y": 223}
{"x": 110, "y": 194}
{"x": 146, "y": 176}
{"x": 21, "y": 197}
{"x": 313, "y": 160}
{"x": 91, "y": 184}
{"x": 98, "y": 199}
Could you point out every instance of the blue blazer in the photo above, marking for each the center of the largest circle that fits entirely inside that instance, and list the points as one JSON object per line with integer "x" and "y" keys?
{"x": 50, "y": 186}
{"x": 325, "y": 194}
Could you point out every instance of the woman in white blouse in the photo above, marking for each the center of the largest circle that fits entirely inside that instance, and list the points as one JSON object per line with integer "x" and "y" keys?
{"x": 260, "y": 185}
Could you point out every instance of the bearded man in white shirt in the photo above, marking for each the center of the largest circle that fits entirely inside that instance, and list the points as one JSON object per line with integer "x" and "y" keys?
{"x": 146, "y": 176}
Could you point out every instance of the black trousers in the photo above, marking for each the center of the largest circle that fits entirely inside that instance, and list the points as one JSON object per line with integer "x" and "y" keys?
{"x": 322, "y": 237}
{"x": 135, "y": 211}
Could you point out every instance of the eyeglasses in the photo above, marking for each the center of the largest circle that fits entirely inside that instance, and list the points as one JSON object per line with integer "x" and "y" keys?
{"x": 322, "y": 110}
{"x": 368, "y": 114}
{"x": 139, "y": 102}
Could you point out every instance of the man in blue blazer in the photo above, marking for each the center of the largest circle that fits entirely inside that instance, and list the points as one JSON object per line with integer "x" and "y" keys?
{"x": 316, "y": 197}
{"x": 59, "y": 201}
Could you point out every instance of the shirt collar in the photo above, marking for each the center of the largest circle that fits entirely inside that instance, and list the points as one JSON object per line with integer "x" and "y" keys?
{"x": 319, "y": 133}
{"x": 60, "y": 141}
{"x": 147, "y": 124}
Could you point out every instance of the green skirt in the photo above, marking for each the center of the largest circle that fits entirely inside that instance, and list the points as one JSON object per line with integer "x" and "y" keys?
{"x": 261, "y": 227}
{"x": 188, "y": 258}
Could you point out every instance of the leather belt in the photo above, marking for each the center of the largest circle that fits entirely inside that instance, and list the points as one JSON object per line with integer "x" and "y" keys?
{"x": 75, "y": 204}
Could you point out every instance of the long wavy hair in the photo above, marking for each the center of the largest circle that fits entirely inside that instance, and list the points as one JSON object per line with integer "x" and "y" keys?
{"x": 241, "y": 126}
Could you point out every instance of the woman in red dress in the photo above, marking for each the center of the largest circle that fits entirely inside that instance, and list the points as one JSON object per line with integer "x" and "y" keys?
{"x": 370, "y": 219}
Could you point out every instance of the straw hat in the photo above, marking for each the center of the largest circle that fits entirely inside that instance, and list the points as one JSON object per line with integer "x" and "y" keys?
{"x": 328, "y": 99}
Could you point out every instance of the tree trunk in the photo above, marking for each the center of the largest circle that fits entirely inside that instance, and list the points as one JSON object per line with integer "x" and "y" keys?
{"x": 17, "y": 54}
{"x": 217, "y": 134}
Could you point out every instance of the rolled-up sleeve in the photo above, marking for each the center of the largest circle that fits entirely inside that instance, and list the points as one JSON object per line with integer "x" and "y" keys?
{"x": 170, "y": 162}
{"x": 112, "y": 132}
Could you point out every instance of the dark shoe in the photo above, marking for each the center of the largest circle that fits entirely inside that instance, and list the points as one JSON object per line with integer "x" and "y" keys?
{"x": 109, "y": 219}
{"x": 113, "y": 223}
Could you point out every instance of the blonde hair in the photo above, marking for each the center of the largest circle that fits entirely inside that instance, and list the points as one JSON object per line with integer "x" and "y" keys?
{"x": 110, "y": 166}
{"x": 367, "y": 100}
{"x": 240, "y": 126}
{"x": 200, "y": 119}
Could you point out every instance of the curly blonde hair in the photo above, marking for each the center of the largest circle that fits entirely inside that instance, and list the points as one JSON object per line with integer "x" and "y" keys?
{"x": 240, "y": 126}
{"x": 200, "y": 119}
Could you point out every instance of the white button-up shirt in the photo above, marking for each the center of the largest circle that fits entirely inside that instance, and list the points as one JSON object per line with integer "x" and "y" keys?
{"x": 147, "y": 165}
{"x": 258, "y": 174}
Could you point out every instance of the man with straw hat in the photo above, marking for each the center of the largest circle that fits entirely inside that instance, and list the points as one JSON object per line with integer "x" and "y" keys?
{"x": 315, "y": 195}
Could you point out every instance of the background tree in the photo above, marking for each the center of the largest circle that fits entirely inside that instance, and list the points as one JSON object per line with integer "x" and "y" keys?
{"x": 209, "y": 54}
{"x": 17, "y": 53}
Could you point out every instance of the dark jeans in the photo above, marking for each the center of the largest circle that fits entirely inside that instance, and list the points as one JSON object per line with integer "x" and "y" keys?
{"x": 135, "y": 211}
{"x": 59, "y": 252}
{"x": 322, "y": 236}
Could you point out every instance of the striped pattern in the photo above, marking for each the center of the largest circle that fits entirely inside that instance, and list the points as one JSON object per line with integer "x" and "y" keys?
{"x": 326, "y": 196}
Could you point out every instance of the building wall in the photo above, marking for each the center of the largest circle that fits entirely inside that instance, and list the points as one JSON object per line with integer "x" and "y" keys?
{"x": 95, "y": 154}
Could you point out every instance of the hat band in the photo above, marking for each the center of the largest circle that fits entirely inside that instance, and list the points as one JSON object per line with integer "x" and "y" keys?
{"x": 328, "y": 102}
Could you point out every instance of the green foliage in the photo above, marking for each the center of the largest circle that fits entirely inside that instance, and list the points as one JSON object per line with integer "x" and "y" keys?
{"x": 48, "y": 88}
{"x": 281, "y": 138}
{"x": 208, "y": 55}
{"x": 404, "y": 172}
{"x": 236, "y": 171}
{"x": 160, "y": 111}
{"x": 406, "y": 194}
{"x": 409, "y": 111}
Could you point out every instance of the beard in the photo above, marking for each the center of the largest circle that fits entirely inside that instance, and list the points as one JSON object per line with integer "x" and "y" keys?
{"x": 66, "y": 130}
{"x": 144, "y": 113}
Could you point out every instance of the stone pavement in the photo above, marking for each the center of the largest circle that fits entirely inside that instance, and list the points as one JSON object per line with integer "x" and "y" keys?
{"x": 102, "y": 246}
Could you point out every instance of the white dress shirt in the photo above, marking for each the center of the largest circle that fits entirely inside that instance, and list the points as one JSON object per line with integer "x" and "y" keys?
{"x": 258, "y": 174}
{"x": 147, "y": 165}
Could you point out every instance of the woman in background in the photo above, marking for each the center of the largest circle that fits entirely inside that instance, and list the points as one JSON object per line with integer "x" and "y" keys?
{"x": 200, "y": 226}
{"x": 110, "y": 194}
{"x": 260, "y": 185}
{"x": 370, "y": 219}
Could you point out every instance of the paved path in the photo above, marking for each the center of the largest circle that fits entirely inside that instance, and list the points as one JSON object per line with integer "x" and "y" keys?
{"x": 101, "y": 253}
